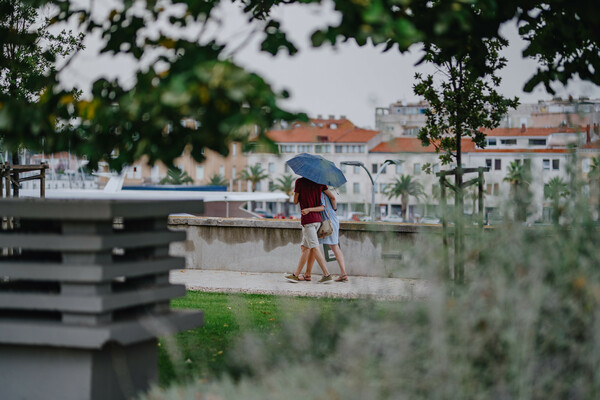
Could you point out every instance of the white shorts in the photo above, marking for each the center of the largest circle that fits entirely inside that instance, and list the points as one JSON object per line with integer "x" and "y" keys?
{"x": 310, "y": 239}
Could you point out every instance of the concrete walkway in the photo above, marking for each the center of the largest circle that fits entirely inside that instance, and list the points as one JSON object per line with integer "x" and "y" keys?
{"x": 274, "y": 283}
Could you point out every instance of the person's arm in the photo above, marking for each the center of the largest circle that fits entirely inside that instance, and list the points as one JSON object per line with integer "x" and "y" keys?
{"x": 331, "y": 198}
{"x": 296, "y": 197}
{"x": 312, "y": 209}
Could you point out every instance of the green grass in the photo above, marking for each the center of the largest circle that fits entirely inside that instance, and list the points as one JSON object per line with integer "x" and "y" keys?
{"x": 202, "y": 353}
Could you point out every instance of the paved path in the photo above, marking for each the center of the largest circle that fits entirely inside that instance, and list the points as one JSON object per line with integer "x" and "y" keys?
{"x": 270, "y": 283}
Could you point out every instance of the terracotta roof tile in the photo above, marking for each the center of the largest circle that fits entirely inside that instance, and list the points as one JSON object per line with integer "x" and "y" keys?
{"x": 413, "y": 145}
{"x": 357, "y": 135}
{"x": 345, "y": 132}
{"x": 591, "y": 145}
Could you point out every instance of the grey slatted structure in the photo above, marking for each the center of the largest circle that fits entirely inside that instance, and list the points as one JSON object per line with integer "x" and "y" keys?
{"x": 84, "y": 294}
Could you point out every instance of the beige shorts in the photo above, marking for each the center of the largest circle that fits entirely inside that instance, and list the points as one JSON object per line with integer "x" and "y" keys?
{"x": 309, "y": 235}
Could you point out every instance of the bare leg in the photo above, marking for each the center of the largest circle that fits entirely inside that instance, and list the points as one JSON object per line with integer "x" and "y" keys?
{"x": 340, "y": 258}
{"x": 320, "y": 260}
{"x": 309, "y": 263}
{"x": 303, "y": 257}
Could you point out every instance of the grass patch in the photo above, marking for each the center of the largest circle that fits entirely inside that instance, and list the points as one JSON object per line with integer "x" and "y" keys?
{"x": 202, "y": 353}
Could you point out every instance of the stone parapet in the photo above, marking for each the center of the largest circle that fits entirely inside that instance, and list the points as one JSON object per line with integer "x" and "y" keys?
{"x": 265, "y": 245}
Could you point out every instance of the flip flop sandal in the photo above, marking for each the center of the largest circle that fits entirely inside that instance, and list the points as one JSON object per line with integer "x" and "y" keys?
{"x": 342, "y": 278}
{"x": 304, "y": 277}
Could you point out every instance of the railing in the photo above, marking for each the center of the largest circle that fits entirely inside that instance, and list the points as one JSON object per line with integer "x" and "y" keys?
{"x": 10, "y": 175}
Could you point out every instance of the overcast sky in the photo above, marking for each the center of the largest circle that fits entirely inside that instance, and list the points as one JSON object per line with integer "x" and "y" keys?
{"x": 347, "y": 80}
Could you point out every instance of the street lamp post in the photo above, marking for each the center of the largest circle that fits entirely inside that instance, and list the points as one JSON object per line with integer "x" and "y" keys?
{"x": 373, "y": 181}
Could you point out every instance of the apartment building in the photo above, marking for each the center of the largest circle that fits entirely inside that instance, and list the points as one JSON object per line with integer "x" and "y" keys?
{"x": 336, "y": 139}
{"x": 400, "y": 119}
{"x": 552, "y": 113}
{"x": 228, "y": 167}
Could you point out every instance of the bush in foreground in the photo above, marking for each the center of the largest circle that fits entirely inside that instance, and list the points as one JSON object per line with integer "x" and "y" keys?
{"x": 524, "y": 327}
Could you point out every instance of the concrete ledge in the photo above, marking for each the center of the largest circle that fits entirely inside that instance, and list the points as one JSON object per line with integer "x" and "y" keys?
{"x": 265, "y": 245}
{"x": 295, "y": 224}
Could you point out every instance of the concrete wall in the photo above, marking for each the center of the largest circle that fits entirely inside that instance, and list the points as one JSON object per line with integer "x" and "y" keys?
{"x": 251, "y": 245}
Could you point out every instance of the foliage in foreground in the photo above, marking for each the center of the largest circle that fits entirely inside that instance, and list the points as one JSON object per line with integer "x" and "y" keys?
{"x": 524, "y": 326}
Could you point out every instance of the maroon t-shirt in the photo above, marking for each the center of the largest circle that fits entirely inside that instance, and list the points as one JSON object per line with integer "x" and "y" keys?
{"x": 309, "y": 196}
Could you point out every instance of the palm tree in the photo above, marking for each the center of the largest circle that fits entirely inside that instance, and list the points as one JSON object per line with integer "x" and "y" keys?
{"x": 217, "y": 180}
{"x": 254, "y": 174}
{"x": 176, "y": 177}
{"x": 519, "y": 179}
{"x": 285, "y": 184}
{"x": 404, "y": 187}
{"x": 555, "y": 190}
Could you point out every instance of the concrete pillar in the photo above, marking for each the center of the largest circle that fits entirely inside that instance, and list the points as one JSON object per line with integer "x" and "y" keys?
{"x": 85, "y": 294}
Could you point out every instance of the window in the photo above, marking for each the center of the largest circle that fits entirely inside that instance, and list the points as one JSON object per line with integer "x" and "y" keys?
{"x": 411, "y": 131}
{"x": 546, "y": 164}
{"x": 374, "y": 168}
{"x": 383, "y": 187}
{"x": 555, "y": 165}
{"x": 342, "y": 167}
{"x": 537, "y": 142}
{"x": 258, "y": 186}
{"x": 497, "y": 164}
{"x": 508, "y": 141}
{"x": 357, "y": 169}
{"x": 417, "y": 169}
{"x": 304, "y": 148}
{"x": 389, "y": 128}
{"x": 322, "y": 148}
{"x": 271, "y": 186}
{"x": 345, "y": 148}
{"x": 491, "y": 142}
{"x": 527, "y": 163}
{"x": 585, "y": 165}
{"x": 436, "y": 168}
{"x": 233, "y": 172}
{"x": 518, "y": 162}
{"x": 398, "y": 168}
{"x": 200, "y": 172}
{"x": 488, "y": 163}
{"x": 286, "y": 168}
{"x": 234, "y": 149}
{"x": 343, "y": 189}
{"x": 488, "y": 188}
{"x": 222, "y": 171}
{"x": 496, "y": 189}
{"x": 356, "y": 187}
{"x": 286, "y": 148}
{"x": 271, "y": 167}
{"x": 384, "y": 170}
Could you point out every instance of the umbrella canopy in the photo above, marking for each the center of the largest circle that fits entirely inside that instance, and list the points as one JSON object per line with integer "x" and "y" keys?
{"x": 317, "y": 169}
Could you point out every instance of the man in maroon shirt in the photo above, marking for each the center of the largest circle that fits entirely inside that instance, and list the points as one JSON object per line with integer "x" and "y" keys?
{"x": 308, "y": 194}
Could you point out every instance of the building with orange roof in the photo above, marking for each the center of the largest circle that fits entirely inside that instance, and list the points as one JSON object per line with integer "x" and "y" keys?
{"x": 336, "y": 139}
{"x": 547, "y": 151}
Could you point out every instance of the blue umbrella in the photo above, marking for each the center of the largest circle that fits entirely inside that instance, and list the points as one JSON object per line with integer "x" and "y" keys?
{"x": 317, "y": 169}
